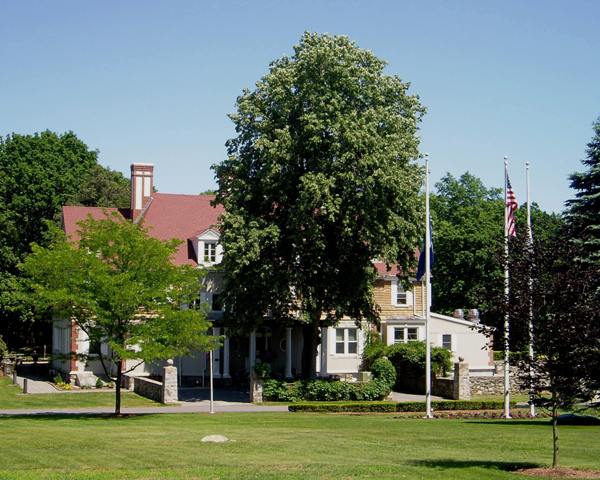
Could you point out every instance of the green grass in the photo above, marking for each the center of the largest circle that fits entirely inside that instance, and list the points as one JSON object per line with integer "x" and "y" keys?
{"x": 11, "y": 397}
{"x": 281, "y": 445}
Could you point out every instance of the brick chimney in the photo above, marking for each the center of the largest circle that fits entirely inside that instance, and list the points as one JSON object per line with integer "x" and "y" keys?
{"x": 142, "y": 186}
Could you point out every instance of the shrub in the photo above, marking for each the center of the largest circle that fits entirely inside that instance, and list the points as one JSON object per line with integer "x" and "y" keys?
{"x": 383, "y": 370}
{"x": 409, "y": 358}
{"x": 262, "y": 370}
{"x": 277, "y": 391}
{"x": 324, "y": 390}
{"x": 374, "y": 349}
{"x": 99, "y": 383}
{"x": 376, "y": 389}
{"x": 344, "y": 407}
{"x": 444, "y": 405}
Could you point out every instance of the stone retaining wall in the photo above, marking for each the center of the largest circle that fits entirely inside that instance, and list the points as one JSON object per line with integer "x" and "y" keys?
{"x": 163, "y": 392}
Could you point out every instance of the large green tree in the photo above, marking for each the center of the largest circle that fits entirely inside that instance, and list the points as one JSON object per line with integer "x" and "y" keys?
{"x": 469, "y": 259}
{"x": 38, "y": 175}
{"x": 320, "y": 180}
{"x": 120, "y": 287}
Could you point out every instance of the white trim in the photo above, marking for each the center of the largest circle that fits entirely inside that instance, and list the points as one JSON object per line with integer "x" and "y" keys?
{"x": 394, "y": 299}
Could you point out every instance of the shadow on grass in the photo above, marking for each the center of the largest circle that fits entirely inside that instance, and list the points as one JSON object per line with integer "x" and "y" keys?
{"x": 489, "y": 464}
{"x": 73, "y": 416}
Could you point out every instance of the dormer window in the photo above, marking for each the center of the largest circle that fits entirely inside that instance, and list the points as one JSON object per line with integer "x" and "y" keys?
{"x": 210, "y": 252}
{"x": 208, "y": 249}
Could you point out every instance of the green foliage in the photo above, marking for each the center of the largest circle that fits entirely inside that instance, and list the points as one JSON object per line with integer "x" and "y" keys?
{"x": 324, "y": 390}
{"x": 410, "y": 358}
{"x": 374, "y": 407}
{"x": 103, "y": 187}
{"x": 3, "y": 348}
{"x": 40, "y": 173}
{"x": 99, "y": 383}
{"x": 443, "y": 405}
{"x": 120, "y": 287}
{"x": 320, "y": 179}
{"x": 262, "y": 370}
{"x": 374, "y": 349}
{"x": 384, "y": 370}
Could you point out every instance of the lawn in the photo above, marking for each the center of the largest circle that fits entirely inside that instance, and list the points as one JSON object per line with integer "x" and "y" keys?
{"x": 11, "y": 396}
{"x": 282, "y": 445}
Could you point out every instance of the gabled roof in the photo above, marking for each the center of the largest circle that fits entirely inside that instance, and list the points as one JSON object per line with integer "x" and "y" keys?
{"x": 73, "y": 214}
{"x": 168, "y": 216}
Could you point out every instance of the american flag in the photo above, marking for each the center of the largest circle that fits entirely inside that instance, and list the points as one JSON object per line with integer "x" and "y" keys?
{"x": 511, "y": 208}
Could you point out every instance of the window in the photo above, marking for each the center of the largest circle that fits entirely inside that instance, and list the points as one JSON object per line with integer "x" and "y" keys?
{"x": 210, "y": 252}
{"x": 346, "y": 341}
{"x": 217, "y": 304}
{"x": 447, "y": 341}
{"x": 406, "y": 334}
{"x": 400, "y": 296}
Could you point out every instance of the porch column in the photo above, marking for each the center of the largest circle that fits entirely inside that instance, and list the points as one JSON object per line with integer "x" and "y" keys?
{"x": 323, "y": 346}
{"x": 226, "y": 355}
{"x": 288, "y": 352}
{"x": 252, "y": 355}
{"x": 216, "y": 355}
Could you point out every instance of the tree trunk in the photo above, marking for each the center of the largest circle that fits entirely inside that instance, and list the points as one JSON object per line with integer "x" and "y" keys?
{"x": 554, "y": 437}
{"x": 118, "y": 388}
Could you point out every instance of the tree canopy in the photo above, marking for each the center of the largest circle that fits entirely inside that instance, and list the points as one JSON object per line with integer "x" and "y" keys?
{"x": 469, "y": 259}
{"x": 120, "y": 287}
{"x": 320, "y": 179}
{"x": 40, "y": 173}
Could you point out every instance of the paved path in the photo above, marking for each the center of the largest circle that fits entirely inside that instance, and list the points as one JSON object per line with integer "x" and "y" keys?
{"x": 37, "y": 386}
{"x": 409, "y": 397}
{"x": 186, "y": 407}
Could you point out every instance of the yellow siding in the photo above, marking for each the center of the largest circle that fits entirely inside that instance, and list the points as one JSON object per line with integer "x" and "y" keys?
{"x": 383, "y": 298}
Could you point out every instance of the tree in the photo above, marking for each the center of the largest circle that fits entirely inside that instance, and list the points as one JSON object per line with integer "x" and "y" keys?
{"x": 40, "y": 173}
{"x": 565, "y": 332}
{"x": 103, "y": 187}
{"x": 320, "y": 179}
{"x": 120, "y": 287}
{"x": 469, "y": 253}
{"x": 566, "y": 298}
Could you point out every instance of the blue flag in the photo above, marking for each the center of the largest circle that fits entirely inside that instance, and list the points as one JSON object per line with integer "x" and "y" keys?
{"x": 421, "y": 267}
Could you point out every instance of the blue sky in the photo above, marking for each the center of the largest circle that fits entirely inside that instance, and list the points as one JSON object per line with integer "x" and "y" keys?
{"x": 149, "y": 81}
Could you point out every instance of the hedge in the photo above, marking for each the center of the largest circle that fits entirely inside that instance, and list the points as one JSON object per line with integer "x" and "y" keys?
{"x": 344, "y": 407}
{"x": 325, "y": 390}
{"x": 391, "y": 407}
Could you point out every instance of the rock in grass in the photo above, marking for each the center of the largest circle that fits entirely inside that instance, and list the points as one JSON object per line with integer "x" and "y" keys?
{"x": 215, "y": 439}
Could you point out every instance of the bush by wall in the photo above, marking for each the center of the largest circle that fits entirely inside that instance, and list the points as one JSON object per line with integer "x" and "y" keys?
{"x": 384, "y": 370}
{"x": 324, "y": 390}
{"x": 374, "y": 349}
{"x": 344, "y": 407}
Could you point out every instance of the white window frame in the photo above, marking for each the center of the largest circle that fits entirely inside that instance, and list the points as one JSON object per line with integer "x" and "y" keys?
{"x": 398, "y": 289}
{"x": 209, "y": 252}
{"x": 208, "y": 243}
{"x": 405, "y": 329}
{"x": 451, "y": 341}
{"x": 346, "y": 340}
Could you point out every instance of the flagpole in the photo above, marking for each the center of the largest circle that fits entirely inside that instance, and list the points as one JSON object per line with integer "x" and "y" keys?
{"x": 530, "y": 286}
{"x": 210, "y": 359}
{"x": 428, "y": 413}
{"x": 506, "y": 295}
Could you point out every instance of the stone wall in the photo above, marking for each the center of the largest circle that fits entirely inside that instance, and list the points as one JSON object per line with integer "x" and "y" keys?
{"x": 492, "y": 385}
{"x": 163, "y": 392}
{"x": 146, "y": 387}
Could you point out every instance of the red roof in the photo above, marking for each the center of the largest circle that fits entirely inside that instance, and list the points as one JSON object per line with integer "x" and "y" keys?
{"x": 383, "y": 271}
{"x": 72, "y": 215}
{"x": 183, "y": 217}
{"x": 168, "y": 216}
